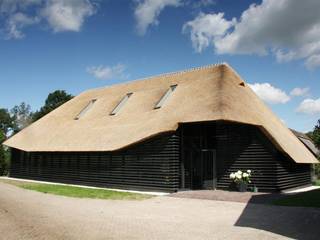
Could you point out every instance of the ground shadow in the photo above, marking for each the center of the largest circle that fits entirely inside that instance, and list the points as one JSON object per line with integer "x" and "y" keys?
{"x": 292, "y": 222}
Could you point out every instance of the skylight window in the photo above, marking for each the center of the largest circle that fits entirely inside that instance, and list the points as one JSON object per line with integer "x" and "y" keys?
{"x": 165, "y": 96}
{"x": 85, "y": 109}
{"x": 121, "y": 104}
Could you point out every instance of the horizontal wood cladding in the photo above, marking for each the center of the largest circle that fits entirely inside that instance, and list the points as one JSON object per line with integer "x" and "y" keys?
{"x": 159, "y": 164}
{"x": 243, "y": 147}
{"x": 150, "y": 165}
{"x": 240, "y": 147}
{"x": 292, "y": 175}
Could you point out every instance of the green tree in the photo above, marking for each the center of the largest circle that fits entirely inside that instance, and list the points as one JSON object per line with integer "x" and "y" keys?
{"x": 6, "y": 121}
{"x": 6, "y": 125}
{"x": 316, "y": 134}
{"x": 22, "y": 116}
{"x": 3, "y": 155}
{"x": 54, "y": 100}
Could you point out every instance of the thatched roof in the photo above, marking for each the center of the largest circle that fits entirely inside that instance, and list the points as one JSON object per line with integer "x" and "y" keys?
{"x": 307, "y": 142}
{"x": 209, "y": 93}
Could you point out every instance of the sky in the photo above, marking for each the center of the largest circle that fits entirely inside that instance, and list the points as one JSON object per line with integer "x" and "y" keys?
{"x": 75, "y": 45}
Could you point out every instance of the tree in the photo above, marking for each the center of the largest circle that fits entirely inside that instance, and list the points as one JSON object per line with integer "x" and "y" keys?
{"x": 22, "y": 116}
{"x": 3, "y": 160}
{"x": 54, "y": 100}
{"x": 6, "y": 121}
{"x": 316, "y": 134}
{"x": 6, "y": 125}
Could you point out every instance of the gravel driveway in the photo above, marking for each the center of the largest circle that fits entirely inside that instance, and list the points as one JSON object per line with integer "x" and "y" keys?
{"x": 27, "y": 214}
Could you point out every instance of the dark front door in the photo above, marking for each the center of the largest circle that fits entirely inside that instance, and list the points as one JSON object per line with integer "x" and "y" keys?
{"x": 209, "y": 175}
{"x": 197, "y": 170}
{"x": 200, "y": 169}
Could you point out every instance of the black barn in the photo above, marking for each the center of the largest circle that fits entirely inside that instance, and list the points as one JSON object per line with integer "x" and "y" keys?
{"x": 195, "y": 153}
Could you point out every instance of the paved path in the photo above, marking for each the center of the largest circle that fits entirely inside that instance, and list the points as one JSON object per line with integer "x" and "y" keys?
{"x": 27, "y": 214}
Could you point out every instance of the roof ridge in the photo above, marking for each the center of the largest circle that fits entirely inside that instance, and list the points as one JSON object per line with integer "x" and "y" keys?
{"x": 169, "y": 74}
{"x": 185, "y": 70}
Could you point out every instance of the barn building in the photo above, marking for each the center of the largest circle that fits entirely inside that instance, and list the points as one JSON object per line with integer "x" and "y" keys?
{"x": 183, "y": 130}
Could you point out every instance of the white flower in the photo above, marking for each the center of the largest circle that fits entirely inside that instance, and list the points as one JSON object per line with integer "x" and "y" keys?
{"x": 238, "y": 176}
{"x": 232, "y": 176}
{"x": 239, "y": 172}
{"x": 249, "y": 171}
{"x": 245, "y": 175}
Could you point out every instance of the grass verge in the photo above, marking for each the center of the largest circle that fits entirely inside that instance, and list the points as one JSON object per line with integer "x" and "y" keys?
{"x": 78, "y": 192}
{"x": 304, "y": 199}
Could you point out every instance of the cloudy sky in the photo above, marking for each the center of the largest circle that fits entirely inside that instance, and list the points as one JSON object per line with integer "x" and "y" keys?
{"x": 80, "y": 44}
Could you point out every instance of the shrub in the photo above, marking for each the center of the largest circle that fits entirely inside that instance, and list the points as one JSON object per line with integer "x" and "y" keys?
{"x": 240, "y": 176}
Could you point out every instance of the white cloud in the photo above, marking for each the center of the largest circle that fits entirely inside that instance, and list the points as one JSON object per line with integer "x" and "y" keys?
{"x": 313, "y": 61}
{"x": 107, "y": 72}
{"x": 309, "y": 106}
{"x": 203, "y": 3}
{"x": 201, "y": 35}
{"x": 61, "y": 15}
{"x": 148, "y": 11}
{"x": 283, "y": 121}
{"x": 12, "y": 6}
{"x": 289, "y": 30}
{"x": 299, "y": 92}
{"x": 67, "y": 15}
{"x": 15, "y": 24}
{"x": 269, "y": 93}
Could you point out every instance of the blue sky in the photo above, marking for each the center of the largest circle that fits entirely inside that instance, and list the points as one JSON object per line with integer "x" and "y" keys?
{"x": 81, "y": 44}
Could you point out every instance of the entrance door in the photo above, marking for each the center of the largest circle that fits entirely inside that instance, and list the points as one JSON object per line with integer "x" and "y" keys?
{"x": 197, "y": 170}
{"x": 209, "y": 174}
{"x": 200, "y": 169}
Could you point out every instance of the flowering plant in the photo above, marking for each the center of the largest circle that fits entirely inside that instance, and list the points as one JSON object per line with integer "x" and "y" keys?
{"x": 241, "y": 177}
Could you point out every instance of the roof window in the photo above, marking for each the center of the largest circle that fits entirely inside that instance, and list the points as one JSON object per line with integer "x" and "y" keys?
{"x": 85, "y": 109}
{"x": 165, "y": 96}
{"x": 121, "y": 104}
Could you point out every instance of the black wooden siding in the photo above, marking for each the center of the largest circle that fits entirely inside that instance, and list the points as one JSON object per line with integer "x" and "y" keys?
{"x": 155, "y": 164}
{"x": 151, "y": 165}
{"x": 242, "y": 147}
{"x": 291, "y": 175}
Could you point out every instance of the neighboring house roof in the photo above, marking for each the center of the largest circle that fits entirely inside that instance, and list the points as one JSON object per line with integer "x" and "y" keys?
{"x": 214, "y": 92}
{"x": 307, "y": 142}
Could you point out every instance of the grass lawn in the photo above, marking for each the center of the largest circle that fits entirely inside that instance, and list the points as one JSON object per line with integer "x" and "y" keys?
{"x": 305, "y": 199}
{"x": 78, "y": 192}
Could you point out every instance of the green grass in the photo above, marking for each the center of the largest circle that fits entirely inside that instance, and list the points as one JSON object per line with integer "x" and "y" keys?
{"x": 317, "y": 182}
{"x": 78, "y": 192}
{"x": 305, "y": 199}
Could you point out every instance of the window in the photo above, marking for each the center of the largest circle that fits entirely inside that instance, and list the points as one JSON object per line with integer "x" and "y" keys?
{"x": 121, "y": 104}
{"x": 85, "y": 109}
{"x": 165, "y": 96}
